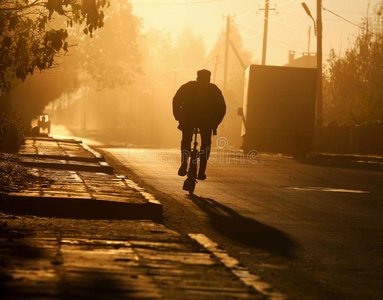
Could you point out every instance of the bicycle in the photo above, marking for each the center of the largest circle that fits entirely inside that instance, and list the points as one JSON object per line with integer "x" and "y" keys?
{"x": 191, "y": 180}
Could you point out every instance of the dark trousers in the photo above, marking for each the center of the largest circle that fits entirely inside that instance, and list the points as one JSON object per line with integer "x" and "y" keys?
{"x": 187, "y": 138}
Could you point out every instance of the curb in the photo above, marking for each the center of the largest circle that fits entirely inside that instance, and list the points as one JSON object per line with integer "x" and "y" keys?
{"x": 63, "y": 157}
{"x": 102, "y": 168}
{"x": 78, "y": 208}
{"x": 149, "y": 197}
{"x": 52, "y": 139}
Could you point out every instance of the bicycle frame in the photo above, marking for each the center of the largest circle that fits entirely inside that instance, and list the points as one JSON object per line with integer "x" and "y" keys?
{"x": 191, "y": 180}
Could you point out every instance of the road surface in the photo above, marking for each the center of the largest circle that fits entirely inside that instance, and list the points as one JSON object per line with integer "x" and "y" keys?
{"x": 312, "y": 230}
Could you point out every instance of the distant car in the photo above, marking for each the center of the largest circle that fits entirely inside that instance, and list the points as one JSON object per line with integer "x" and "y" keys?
{"x": 44, "y": 123}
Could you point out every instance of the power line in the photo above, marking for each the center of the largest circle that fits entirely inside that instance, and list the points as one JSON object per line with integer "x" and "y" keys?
{"x": 344, "y": 19}
{"x": 350, "y": 12}
{"x": 360, "y": 27}
{"x": 338, "y": 11}
{"x": 275, "y": 42}
{"x": 247, "y": 11}
{"x": 304, "y": 17}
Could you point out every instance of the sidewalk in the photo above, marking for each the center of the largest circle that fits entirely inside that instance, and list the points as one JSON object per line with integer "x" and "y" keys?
{"x": 90, "y": 234}
{"x": 83, "y": 185}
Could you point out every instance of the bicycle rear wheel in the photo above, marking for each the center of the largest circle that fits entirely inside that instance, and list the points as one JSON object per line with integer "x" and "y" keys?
{"x": 190, "y": 182}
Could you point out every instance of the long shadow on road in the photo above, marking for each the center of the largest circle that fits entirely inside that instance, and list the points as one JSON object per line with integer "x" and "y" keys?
{"x": 245, "y": 230}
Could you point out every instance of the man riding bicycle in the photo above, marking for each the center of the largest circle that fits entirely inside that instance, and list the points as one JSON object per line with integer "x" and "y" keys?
{"x": 198, "y": 104}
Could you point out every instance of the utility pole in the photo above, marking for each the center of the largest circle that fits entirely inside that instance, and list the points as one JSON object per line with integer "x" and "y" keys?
{"x": 318, "y": 26}
{"x": 367, "y": 20}
{"x": 308, "y": 47}
{"x": 228, "y": 20}
{"x": 215, "y": 67}
{"x": 319, "y": 63}
{"x": 265, "y": 29}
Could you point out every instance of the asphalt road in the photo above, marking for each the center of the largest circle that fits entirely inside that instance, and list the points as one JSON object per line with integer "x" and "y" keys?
{"x": 311, "y": 229}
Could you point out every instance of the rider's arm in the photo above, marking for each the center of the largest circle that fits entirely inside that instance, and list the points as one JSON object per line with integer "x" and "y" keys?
{"x": 177, "y": 103}
{"x": 183, "y": 94}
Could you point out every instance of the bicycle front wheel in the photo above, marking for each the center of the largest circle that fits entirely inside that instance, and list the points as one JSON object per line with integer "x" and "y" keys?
{"x": 189, "y": 185}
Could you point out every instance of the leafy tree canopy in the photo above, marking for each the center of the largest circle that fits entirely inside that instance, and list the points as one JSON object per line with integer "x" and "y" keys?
{"x": 353, "y": 92}
{"x": 111, "y": 59}
{"x": 27, "y": 42}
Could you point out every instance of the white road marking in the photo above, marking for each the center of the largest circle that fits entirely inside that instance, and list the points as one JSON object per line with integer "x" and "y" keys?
{"x": 326, "y": 189}
{"x": 242, "y": 273}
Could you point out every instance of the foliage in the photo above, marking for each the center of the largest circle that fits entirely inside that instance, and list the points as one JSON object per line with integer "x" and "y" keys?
{"x": 107, "y": 67}
{"x": 156, "y": 47}
{"x": 112, "y": 58}
{"x": 169, "y": 64}
{"x": 189, "y": 51}
{"x": 37, "y": 91}
{"x": 108, "y": 60}
{"x": 11, "y": 132}
{"x": 28, "y": 42}
{"x": 236, "y": 75}
{"x": 14, "y": 177}
{"x": 353, "y": 93}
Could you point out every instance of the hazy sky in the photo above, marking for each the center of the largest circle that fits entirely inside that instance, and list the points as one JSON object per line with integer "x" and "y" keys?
{"x": 288, "y": 23}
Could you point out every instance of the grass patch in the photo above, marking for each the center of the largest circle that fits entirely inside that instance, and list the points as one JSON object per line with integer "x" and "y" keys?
{"x": 15, "y": 177}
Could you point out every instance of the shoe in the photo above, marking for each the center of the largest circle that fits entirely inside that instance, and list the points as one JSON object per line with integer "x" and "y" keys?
{"x": 201, "y": 176}
{"x": 201, "y": 171}
{"x": 182, "y": 171}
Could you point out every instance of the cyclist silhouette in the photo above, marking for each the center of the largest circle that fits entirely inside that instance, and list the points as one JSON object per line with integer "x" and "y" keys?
{"x": 198, "y": 104}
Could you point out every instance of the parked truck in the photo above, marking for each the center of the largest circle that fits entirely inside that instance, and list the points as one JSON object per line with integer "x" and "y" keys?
{"x": 278, "y": 112}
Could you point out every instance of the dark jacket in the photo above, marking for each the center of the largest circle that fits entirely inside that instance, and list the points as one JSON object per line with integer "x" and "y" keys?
{"x": 199, "y": 105}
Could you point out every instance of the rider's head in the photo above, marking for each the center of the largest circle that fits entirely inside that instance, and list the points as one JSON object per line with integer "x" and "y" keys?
{"x": 203, "y": 76}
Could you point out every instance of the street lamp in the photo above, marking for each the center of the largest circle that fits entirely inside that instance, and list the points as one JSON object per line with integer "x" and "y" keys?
{"x": 318, "y": 33}
{"x": 308, "y": 12}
